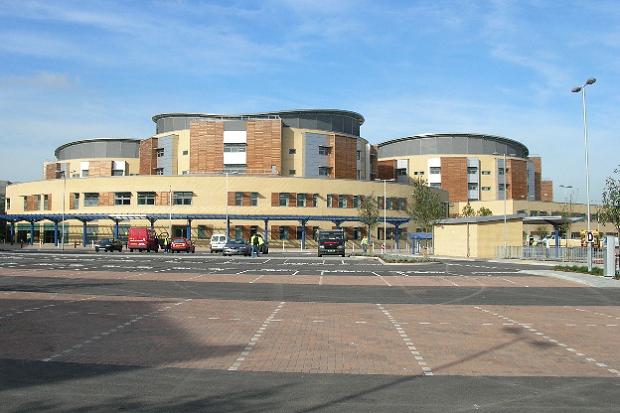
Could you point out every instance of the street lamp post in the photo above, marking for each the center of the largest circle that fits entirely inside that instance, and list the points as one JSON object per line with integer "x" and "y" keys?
{"x": 505, "y": 200}
{"x": 570, "y": 212}
{"x": 385, "y": 215}
{"x": 582, "y": 89}
{"x": 64, "y": 195}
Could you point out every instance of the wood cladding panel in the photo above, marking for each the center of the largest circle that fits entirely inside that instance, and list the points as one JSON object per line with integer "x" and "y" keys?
{"x": 51, "y": 171}
{"x": 454, "y": 177}
{"x": 275, "y": 199}
{"x": 374, "y": 169}
{"x": 546, "y": 191}
{"x": 162, "y": 198}
{"x": 517, "y": 179}
{"x": 206, "y": 147}
{"x": 536, "y": 160}
{"x": 264, "y": 146}
{"x": 49, "y": 202}
{"x": 345, "y": 157}
{"x": 148, "y": 156}
{"x": 386, "y": 169}
{"x": 99, "y": 168}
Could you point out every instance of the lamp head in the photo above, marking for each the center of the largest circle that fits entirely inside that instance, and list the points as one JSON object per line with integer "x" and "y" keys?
{"x": 590, "y": 81}
{"x": 576, "y": 89}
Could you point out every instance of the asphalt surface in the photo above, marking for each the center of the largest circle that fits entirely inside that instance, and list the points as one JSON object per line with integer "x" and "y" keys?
{"x": 310, "y": 307}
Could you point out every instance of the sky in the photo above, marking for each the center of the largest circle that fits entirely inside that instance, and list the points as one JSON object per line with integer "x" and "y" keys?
{"x": 73, "y": 70}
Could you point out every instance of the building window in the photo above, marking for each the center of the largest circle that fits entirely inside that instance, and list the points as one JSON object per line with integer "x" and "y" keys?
{"x": 357, "y": 233}
{"x": 472, "y": 170}
{"x": 37, "y": 202}
{"x": 185, "y": 152}
{"x": 84, "y": 173}
{"x": 159, "y": 171}
{"x": 358, "y": 174}
{"x": 292, "y": 172}
{"x": 8, "y": 204}
{"x": 184, "y": 172}
{"x": 416, "y": 173}
{"x": 182, "y": 198}
{"x": 401, "y": 172}
{"x": 122, "y": 198}
{"x": 202, "y": 232}
{"x": 330, "y": 200}
{"x": 315, "y": 200}
{"x": 234, "y": 147}
{"x": 254, "y": 199}
{"x": 500, "y": 171}
{"x": 486, "y": 188}
{"x": 292, "y": 151}
{"x": 76, "y": 200}
{"x": 283, "y": 233}
{"x": 358, "y": 155}
{"x": 46, "y": 202}
{"x": 402, "y": 204}
{"x": 325, "y": 150}
{"x": 283, "y": 198}
{"x": 324, "y": 170}
{"x": 301, "y": 200}
{"x": 435, "y": 170}
{"x": 501, "y": 187}
{"x": 485, "y": 172}
{"x": 118, "y": 172}
{"x": 299, "y": 232}
{"x": 160, "y": 152}
{"x": 238, "y": 198}
{"x": 91, "y": 199}
{"x": 146, "y": 198}
{"x": 238, "y": 231}
{"x": 436, "y": 185}
{"x": 472, "y": 186}
{"x": 357, "y": 201}
{"x": 25, "y": 203}
{"x": 342, "y": 201}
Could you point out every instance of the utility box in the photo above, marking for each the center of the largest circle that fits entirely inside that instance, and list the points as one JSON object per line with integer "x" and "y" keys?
{"x": 610, "y": 256}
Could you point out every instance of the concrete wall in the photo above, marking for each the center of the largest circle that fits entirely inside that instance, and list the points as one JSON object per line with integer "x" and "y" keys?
{"x": 475, "y": 240}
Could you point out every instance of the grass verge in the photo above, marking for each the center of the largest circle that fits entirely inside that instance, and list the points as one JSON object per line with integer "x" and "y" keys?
{"x": 579, "y": 268}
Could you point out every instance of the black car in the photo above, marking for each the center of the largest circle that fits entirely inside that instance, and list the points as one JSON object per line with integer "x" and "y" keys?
{"x": 109, "y": 245}
{"x": 331, "y": 243}
{"x": 237, "y": 247}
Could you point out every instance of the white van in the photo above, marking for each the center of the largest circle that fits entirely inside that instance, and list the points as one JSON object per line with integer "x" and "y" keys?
{"x": 217, "y": 242}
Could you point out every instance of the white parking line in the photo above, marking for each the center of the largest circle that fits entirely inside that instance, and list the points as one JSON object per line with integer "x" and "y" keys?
{"x": 382, "y": 279}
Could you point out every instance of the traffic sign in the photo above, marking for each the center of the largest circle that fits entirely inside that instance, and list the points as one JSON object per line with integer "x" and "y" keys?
{"x": 590, "y": 236}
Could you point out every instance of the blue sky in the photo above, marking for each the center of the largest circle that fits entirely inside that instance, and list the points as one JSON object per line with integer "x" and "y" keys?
{"x": 84, "y": 69}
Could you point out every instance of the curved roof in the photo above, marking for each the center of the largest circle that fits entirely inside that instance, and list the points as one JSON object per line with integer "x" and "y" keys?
{"x": 521, "y": 148}
{"x": 61, "y": 148}
{"x": 352, "y": 114}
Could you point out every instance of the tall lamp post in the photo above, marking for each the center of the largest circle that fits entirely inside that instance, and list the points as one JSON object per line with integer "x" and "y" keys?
{"x": 505, "y": 197}
{"x": 64, "y": 196}
{"x": 570, "y": 212}
{"x": 385, "y": 215}
{"x": 582, "y": 89}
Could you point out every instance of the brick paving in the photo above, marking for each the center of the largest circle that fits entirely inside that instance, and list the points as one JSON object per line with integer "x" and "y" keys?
{"x": 308, "y": 337}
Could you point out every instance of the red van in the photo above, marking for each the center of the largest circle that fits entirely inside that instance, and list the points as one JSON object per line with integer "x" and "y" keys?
{"x": 142, "y": 239}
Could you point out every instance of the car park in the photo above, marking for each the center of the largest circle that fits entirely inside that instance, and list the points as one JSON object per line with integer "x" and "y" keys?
{"x": 237, "y": 247}
{"x": 217, "y": 242}
{"x": 108, "y": 245}
{"x": 182, "y": 244}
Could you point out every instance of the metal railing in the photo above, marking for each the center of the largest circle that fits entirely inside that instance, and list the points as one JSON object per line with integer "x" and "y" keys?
{"x": 542, "y": 253}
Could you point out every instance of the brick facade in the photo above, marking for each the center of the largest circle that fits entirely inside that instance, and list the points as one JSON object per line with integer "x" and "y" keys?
{"x": 386, "y": 169}
{"x": 100, "y": 168}
{"x": 537, "y": 177}
{"x": 264, "y": 145}
{"x": 454, "y": 177}
{"x": 345, "y": 157}
{"x": 148, "y": 156}
{"x": 51, "y": 170}
{"x": 546, "y": 191}
{"x": 517, "y": 179}
{"x": 206, "y": 147}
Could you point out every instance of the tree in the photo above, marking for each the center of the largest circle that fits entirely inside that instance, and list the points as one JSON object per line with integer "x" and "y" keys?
{"x": 610, "y": 208}
{"x": 368, "y": 213}
{"x": 484, "y": 212}
{"x": 425, "y": 207}
{"x": 468, "y": 211}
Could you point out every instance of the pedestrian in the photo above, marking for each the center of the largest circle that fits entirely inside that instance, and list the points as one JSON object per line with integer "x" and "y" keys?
{"x": 365, "y": 244}
{"x": 261, "y": 244}
{"x": 167, "y": 244}
{"x": 254, "y": 244}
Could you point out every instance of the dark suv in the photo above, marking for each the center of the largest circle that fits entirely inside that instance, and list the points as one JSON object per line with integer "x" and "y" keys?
{"x": 331, "y": 243}
{"x": 109, "y": 245}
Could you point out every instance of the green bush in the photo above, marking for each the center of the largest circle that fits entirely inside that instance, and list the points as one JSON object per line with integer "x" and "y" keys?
{"x": 579, "y": 268}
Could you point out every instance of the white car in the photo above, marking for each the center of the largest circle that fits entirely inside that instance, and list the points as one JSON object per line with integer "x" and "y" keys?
{"x": 217, "y": 242}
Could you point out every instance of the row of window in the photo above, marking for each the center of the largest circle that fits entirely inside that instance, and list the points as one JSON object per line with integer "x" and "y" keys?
{"x": 436, "y": 170}
{"x": 92, "y": 199}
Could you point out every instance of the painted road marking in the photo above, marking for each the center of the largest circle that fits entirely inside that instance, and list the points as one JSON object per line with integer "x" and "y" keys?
{"x": 382, "y": 279}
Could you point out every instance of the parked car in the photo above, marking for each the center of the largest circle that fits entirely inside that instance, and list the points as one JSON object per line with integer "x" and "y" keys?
{"x": 331, "y": 243}
{"x": 182, "y": 244}
{"x": 217, "y": 242}
{"x": 108, "y": 245}
{"x": 142, "y": 239}
{"x": 237, "y": 247}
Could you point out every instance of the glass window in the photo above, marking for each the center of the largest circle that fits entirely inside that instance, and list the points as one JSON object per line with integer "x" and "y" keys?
{"x": 299, "y": 232}
{"x": 84, "y": 173}
{"x": 325, "y": 150}
{"x": 342, "y": 201}
{"x": 292, "y": 172}
{"x": 202, "y": 232}
{"x": 8, "y": 203}
{"x": 238, "y": 198}
{"x": 186, "y": 153}
{"x": 501, "y": 187}
{"x": 234, "y": 147}
{"x": 486, "y": 172}
{"x": 292, "y": 151}
{"x": 315, "y": 200}
{"x": 283, "y": 198}
{"x": 118, "y": 172}
{"x": 159, "y": 171}
{"x": 472, "y": 186}
{"x": 358, "y": 154}
{"x": 357, "y": 201}
{"x": 324, "y": 170}
{"x": 330, "y": 201}
{"x": 500, "y": 171}
{"x": 472, "y": 170}
{"x": 184, "y": 172}
{"x": 76, "y": 200}
{"x": 238, "y": 231}
{"x": 301, "y": 200}
{"x": 435, "y": 170}
{"x": 160, "y": 152}
{"x": 146, "y": 198}
{"x": 254, "y": 198}
{"x": 402, "y": 204}
{"x": 401, "y": 172}
{"x": 46, "y": 202}
{"x": 122, "y": 198}
{"x": 486, "y": 188}
{"x": 91, "y": 199}
{"x": 182, "y": 198}
{"x": 283, "y": 232}
{"x": 435, "y": 185}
